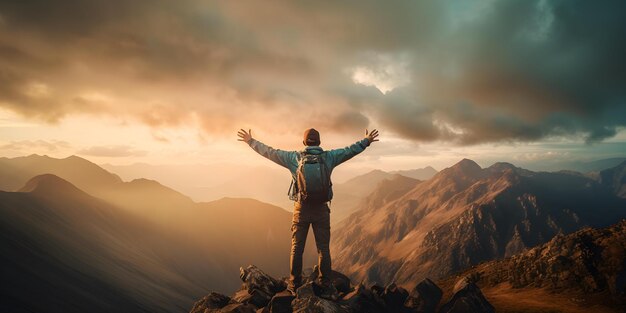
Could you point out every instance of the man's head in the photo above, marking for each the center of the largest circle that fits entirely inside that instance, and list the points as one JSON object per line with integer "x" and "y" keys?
{"x": 311, "y": 137}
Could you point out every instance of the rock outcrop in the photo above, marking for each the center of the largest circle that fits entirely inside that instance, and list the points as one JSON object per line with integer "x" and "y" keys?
{"x": 261, "y": 293}
{"x": 590, "y": 263}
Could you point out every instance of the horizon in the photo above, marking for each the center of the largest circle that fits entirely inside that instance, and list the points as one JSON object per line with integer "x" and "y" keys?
{"x": 205, "y": 183}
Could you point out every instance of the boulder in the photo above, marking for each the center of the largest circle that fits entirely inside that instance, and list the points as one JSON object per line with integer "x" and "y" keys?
{"x": 394, "y": 297}
{"x": 281, "y": 302}
{"x": 212, "y": 301}
{"x": 424, "y": 297}
{"x": 339, "y": 280}
{"x": 307, "y": 290}
{"x": 238, "y": 308}
{"x": 316, "y": 304}
{"x": 255, "y": 297}
{"x": 467, "y": 298}
{"x": 261, "y": 293}
{"x": 254, "y": 278}
{"x": 361, "y": 300}
{"x": 307, "y": 301}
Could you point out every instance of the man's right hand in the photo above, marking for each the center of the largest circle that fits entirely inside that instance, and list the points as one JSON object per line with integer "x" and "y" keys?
{"x": 245, "y": 136}
{"x": 371, "y": 136}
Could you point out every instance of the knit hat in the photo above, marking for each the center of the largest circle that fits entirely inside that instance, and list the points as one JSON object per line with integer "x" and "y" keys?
{"x": 311, "y": 137}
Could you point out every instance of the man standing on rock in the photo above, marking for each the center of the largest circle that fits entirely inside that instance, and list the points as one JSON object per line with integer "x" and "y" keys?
{"x": 311, "y": 190}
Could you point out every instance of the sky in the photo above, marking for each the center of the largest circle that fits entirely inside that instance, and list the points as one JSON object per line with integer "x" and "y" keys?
{"x": 171, "y": 82}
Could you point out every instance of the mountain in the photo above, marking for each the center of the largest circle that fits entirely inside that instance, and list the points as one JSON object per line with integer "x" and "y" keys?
{"x": 418, "y": 173}
{"x": 248, "y": 230}
{"x": 593, "y": 166}
{"x": 347, "y": 195}
{"x": 273, "y": 189}
{"x": 558, "y": 164}
{"x": 386, "y": 190}
{"x": 205, "y": 182}
{"x": 465, "y": 215}
{"x": 615, "y": 179}
{"x": 208, "y": 183}
{"x": 587, "y": 266}
{"x": 65, "y": 251}
{"x": 15, "y": 172}
{"x": 141, "y": 196}
{"x": 173, "y": 211}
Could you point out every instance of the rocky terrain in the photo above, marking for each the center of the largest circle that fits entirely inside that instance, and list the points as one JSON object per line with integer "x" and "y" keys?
{"x": 466, "y": 215}
{"x": 263, "y": 293}
{"x": 588, "y": 265}
{"x": 581, "y": 272}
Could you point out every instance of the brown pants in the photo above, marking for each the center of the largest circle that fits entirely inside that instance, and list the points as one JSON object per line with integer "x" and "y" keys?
{"x": 318, "y": 216}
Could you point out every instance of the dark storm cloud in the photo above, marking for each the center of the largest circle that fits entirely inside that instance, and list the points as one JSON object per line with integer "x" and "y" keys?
{"x": 476, "y": 71}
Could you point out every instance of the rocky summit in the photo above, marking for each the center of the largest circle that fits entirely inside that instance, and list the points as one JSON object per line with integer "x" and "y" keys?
{"x": 262, "y": 293}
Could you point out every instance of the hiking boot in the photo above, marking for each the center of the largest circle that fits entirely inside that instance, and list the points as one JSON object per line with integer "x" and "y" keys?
{"x": 328, "y": 291}
{"x": 292, "y": 288}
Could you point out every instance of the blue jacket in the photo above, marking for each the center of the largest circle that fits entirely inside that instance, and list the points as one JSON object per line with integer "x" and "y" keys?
{"x": 290, "y": 159}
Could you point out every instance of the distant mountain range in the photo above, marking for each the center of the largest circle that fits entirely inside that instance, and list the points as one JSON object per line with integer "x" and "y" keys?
{"x": 465, "y": 215}
{"x": 350, "y": 194}
{"x": 78, "y": 238}
{"x": 136, "y": 247}
{"x": 207, "y": 183}
{"x": 65, "y": 251}
{"x": 590, "y": 166}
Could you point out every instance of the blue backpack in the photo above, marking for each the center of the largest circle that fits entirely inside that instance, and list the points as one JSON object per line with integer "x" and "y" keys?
{"x": 312, "y": 180}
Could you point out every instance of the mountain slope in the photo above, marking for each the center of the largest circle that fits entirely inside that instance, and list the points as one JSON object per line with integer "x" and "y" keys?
{"x": 65, "y": 251}
{"x": 588, "y": 266}
{"x": 465, "y": 215}
{"x": 142, "y": 196}
{"x": 15, "y": 172}
{"x": 203, "y": 223}
{"x": 418, "y": 173}
{"x": 349, "y": 196}
{"x": 615, "y": 179}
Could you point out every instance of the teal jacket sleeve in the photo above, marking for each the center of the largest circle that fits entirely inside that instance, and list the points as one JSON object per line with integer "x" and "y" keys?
{"x": 287, "y": 159}
{"x": 339, "y": 156}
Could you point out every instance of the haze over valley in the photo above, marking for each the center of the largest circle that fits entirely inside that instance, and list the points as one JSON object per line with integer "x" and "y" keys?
{"x": 143, "y": 246}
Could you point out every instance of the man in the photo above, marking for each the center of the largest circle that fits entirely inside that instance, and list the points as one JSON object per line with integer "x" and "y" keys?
{"x": 310, "y": 208}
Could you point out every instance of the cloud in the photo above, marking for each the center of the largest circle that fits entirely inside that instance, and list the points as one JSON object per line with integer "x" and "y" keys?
{"x": 455, "y": 71}
{"x": 27, "y": 145}
{"x": 111, "y": 151}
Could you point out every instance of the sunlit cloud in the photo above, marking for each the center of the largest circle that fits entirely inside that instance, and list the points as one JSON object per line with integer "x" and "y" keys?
{"x": 453, "y": 73}
{"x": 111, "y": 151}
{"x": 26, "y": 146}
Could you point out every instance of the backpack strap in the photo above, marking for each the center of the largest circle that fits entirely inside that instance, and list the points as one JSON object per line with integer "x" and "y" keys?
{"x": 293, "y": 192}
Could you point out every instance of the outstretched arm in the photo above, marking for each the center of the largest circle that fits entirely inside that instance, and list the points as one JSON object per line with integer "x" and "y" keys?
{"x": 341, "y": 155}
{"x": 280, "y": 157}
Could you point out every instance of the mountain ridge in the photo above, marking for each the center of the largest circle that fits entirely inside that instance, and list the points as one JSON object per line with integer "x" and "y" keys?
{"x": 465, "y": 215}
{"x": 588, "y": 266}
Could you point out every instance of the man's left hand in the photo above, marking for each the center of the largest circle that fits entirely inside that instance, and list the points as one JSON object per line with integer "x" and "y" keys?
{"x": 371, "y": 136}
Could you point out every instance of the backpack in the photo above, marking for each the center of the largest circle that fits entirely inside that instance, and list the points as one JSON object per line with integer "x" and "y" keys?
{"x": 312, "y": 180}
